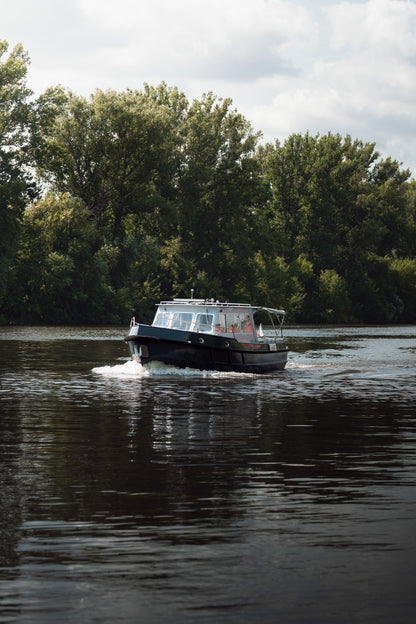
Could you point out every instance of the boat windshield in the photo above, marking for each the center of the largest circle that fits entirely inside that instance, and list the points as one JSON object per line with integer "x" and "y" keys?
{"x": 182, "y": 320}
{"x": 173, "y": 320}
{"x": 162, "y": 319}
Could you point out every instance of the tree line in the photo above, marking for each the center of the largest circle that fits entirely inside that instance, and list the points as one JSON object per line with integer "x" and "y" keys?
{"x": 112, "y": 202}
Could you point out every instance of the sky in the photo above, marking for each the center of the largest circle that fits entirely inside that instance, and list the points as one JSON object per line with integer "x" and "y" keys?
{"x": 289, "y": 66}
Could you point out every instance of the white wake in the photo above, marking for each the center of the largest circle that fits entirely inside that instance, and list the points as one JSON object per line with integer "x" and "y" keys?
{"x": 133, "y": 370}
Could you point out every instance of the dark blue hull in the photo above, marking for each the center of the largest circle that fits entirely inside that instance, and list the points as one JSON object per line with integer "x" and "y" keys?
{"x": 204, "y": 351}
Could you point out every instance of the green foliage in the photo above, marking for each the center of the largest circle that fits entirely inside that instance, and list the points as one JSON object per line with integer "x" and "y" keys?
{"x": 403, "y": 277}
{"x": 336, "y": 203}
{"x": 16, "y": 184}
{"x": 52, "y": 262}
{"x": 333, "y": 199}
{"x": 219, "y": 190}
{"x": 118, "y": 152}
{"x": 147, "y": 196}
{"x": 284, "y": 284}
{"x": 334, "y": 303}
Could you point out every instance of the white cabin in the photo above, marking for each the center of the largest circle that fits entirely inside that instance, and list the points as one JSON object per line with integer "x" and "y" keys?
{"x": 235, "y": 320}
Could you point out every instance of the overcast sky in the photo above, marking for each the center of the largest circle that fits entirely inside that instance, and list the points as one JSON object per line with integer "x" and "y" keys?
{"x": 289, "y": 66}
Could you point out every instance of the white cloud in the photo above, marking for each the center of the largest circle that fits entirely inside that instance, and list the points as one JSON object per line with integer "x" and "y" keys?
{"x": 378, "y": 27}
{"x": 363, "y": 82}
{"x": 289, "y": 65}
{"x": 232, "y": 40}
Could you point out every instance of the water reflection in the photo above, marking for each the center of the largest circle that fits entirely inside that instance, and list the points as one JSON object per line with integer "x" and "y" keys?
{"x": 132, "y": 495}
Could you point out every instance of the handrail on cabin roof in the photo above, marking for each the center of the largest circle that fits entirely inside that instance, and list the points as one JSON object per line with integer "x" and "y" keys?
{"x": 222, "y": 304}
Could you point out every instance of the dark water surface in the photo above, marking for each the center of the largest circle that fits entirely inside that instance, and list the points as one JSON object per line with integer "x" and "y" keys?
{"x": 166, "y": 496}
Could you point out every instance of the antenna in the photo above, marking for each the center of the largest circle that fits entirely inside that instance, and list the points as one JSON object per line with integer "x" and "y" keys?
{"x": 192, "y": 293}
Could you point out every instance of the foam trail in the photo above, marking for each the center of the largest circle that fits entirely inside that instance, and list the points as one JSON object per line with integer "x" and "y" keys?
{"x": 133, "y": 370}
{"x": 295, "y": 365}
{"x": 129, "y": 369}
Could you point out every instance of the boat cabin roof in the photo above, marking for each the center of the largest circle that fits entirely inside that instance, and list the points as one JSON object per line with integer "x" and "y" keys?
{"x": 219, "y": 305}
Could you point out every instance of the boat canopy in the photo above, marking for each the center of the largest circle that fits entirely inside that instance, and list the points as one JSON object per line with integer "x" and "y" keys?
{"x": 216, "y": 317}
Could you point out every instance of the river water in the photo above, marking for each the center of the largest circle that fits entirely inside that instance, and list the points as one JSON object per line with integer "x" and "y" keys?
{"x": 131, "y": 495}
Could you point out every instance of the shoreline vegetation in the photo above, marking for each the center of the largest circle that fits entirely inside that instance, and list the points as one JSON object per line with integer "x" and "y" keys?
{"x": 110, "y": 203}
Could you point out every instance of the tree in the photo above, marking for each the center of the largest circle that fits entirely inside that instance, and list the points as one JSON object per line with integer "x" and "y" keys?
{"x": 283, "y": 285}
{"x": 16, "y": 182}
{"x": 409, "y": 249}
{"x": 403, "y": 271}
{"x": 55, "y": 274}
{"x": 288, "y": 170}
{"x": 219, "y": 191}
{"x": 334, "y": 305}
{"x": 150, "y": 196}
{"x": 335, "y": 199}
{"x": 345, "y": 209}
{"x": 117, "y": 152}
{"x": 63, "y": 274}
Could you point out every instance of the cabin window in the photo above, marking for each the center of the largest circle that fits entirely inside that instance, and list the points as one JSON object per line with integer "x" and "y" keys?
{"x": 203, "y": 322}
{"x": 246, "y": 324}
{"x": 162, "y": 319}
{"x": 220, "y": 324}
{"x": 182, "y": 320}
{"x": 233, "y": 324}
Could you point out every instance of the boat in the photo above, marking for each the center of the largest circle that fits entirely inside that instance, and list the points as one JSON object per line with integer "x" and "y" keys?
{"x": 211, "y": 335}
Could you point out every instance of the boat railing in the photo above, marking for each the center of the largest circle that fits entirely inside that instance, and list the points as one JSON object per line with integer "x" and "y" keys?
{"x": 276, "y": 325}
{"x": 206, "y": 302}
